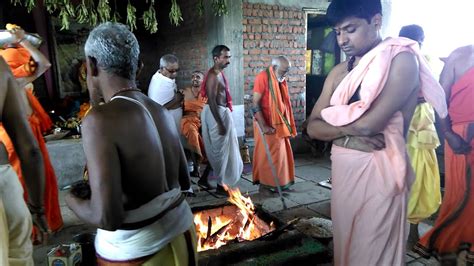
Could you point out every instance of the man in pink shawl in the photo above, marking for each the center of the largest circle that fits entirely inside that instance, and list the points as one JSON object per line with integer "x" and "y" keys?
{"x": 365, "y": 109}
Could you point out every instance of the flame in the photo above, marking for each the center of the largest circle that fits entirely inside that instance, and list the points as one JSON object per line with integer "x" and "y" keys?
{"x": 242, "y": 225}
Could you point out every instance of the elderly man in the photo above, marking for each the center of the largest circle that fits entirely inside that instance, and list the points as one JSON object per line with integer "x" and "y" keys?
{"x": 134, "y": 175}
{"x": 274, "y": 118}
{"x": 218, "y": 131}
{"x": 15, "y": 219}
{"x": 191, "y": 121}
{"x": 27, "y": 64}
{"x": 163, "y": 89}
{"x": 365, "y": 108}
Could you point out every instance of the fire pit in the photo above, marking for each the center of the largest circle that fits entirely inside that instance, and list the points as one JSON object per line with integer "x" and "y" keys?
{"x": 239, "y": 233}
{"x": 233, "y": 222}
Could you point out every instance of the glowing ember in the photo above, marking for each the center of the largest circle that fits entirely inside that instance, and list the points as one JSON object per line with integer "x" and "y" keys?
{"x": 216, "y": 227}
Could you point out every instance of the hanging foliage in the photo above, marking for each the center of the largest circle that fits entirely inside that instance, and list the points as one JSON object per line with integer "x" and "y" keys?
{"x": 220, "y": 7}
{"x": 175, "y": 13}
{"x": 149, "y": 19}
{"x": 200, "y": 7}
{"x": 82, "y": 13}
{"x": 88, "y": 12}
{"x": 103, "y": 9}
{"x": 131, "y": 17}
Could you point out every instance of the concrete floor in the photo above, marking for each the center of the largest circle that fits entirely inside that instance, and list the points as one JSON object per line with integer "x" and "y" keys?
{"x": 306, "y": 199}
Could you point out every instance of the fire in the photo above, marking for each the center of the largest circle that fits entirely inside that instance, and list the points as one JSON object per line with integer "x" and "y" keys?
{"x": 216, "y": 227}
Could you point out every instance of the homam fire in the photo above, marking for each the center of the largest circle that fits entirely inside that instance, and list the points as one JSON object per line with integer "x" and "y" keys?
{"x": 238, "y": 222}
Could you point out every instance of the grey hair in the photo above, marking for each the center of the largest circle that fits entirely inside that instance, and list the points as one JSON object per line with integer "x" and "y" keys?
{"x": 276, "y": 61}
{"x": 168, "y": 59}
{"x": 115, "y": 48}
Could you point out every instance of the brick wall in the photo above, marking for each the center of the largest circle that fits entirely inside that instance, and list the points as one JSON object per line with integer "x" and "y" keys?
{"x": 269, "y": 31}
{"x": 187, "y": 41}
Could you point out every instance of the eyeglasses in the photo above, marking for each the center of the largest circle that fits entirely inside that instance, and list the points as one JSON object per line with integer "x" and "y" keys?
{"x": 172, "y": 71}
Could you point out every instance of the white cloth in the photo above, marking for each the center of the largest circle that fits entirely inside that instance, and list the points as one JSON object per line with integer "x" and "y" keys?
{"x": 177, "y": 114}
{"x": 121, "y": 245}
{"x": 223, "y": 152}
{"x": 162, "y": 90}
{"x": 15, "y": 235}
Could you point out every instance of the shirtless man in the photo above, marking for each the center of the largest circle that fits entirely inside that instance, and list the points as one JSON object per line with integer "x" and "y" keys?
{"x": 135, "y": 162}
{"x": 218, "y": 132}
{"x": 15, "y": 219}
{"x": 365, "y": 108}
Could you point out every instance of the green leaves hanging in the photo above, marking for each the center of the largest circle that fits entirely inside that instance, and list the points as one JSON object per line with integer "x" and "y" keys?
{"x": 82, "y": 13}
{"x": 175, "y": 13}
{"x": 103, "y": 9}
{"x": 220, "y": 7}
{"x": 149, "y": 19}
{"x": 30, "y": 4}
{"x": 131, "y": 17}
{"x": 200, "y": 8}
{"x": 87, "y": 12}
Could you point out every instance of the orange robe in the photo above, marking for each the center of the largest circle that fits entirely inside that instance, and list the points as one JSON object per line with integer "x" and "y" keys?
{"x": 191, "y": 123}
{"x": 20, "y": 63}
{"x": 277, "y": 112}
{"x": 454, "y": 227}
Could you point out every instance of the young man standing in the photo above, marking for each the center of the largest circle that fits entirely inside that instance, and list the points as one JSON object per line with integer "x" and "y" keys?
{"x": 218, "y": 131}
{"x": 365, "y": 109}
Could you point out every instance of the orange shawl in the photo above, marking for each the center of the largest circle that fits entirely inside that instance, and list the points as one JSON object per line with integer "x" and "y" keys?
{"x": 280, "y": 113}
{"x": 195, "y": 105}
{"x": 20, "y": 61}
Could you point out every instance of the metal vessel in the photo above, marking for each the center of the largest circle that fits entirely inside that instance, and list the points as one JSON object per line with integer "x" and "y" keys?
{"x": 6, "y": 38}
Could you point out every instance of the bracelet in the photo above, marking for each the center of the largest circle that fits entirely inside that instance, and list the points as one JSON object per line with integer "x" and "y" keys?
{"x": 346, "y": 141}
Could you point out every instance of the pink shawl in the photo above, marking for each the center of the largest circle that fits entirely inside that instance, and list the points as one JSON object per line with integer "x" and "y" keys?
{"x": 371, "y": 74}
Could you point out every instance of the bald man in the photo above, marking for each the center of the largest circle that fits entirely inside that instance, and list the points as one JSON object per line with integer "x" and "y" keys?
{"x": 274, "y": 118}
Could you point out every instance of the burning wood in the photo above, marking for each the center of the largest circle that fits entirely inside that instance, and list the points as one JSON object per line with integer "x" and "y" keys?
{"x": 237, "y": 222}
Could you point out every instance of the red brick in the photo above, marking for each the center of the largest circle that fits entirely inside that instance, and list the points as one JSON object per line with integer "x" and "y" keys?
{"x": 255, "y": 21}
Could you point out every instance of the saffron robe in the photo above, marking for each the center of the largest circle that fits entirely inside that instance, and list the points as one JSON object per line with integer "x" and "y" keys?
{"x": 453, "y": 229}
{"x": 19, "y": 61}
{"x": 277, "y": 112}
{"x": 191, "y": 123}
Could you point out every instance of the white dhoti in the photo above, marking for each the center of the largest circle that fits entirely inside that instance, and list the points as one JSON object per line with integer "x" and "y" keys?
{"x": 15, "y": 221}
{"x": 223, "y": 152}
{"x": 177, "y": 114}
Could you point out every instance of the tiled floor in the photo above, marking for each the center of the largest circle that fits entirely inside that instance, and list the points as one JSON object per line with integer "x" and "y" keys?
{"x": 306, "y": 199}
